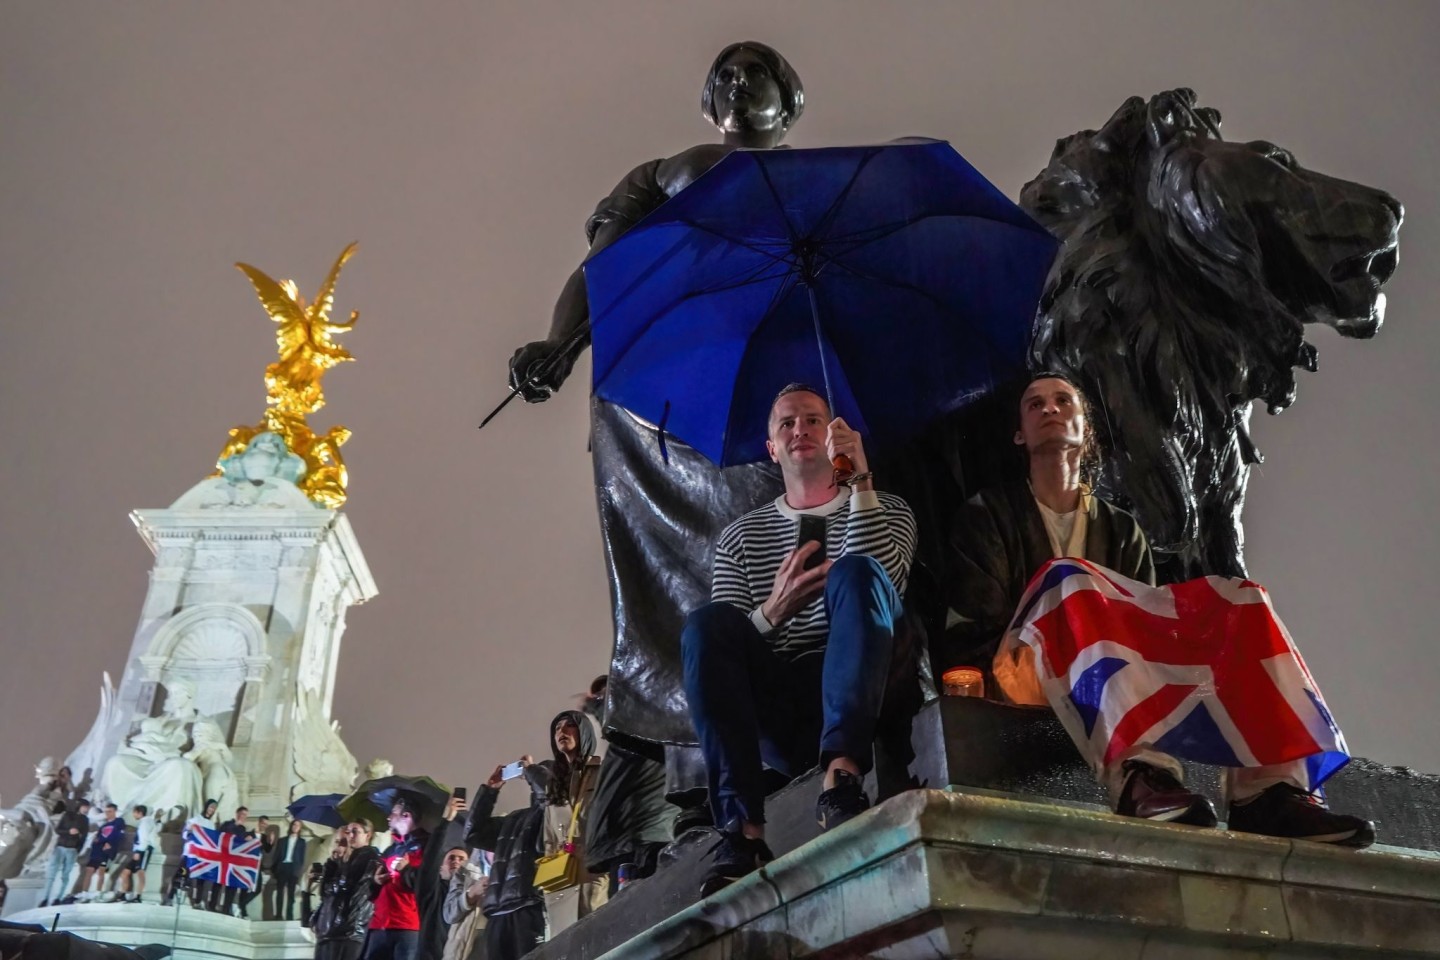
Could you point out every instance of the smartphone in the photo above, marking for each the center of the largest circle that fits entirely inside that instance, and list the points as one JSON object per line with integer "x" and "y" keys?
{"x": 812, "y": 528}
{"x": 459, "y": 793}
{"x": 512, "y": 770}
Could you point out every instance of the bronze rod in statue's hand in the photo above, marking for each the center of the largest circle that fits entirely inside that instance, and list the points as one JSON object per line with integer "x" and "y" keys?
{"x": 570, "y": 346}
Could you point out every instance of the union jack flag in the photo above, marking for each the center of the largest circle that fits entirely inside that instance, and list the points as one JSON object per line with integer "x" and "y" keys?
{"x": 222, "y": 858}
{"x": 1202, "y": 670}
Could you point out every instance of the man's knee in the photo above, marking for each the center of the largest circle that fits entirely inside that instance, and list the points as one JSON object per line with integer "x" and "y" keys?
{"x": 854, "y": 568}
{"x": 858, "y": 575}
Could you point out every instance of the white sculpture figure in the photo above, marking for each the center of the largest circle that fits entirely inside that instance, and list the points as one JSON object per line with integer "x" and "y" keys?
{"x": 152, "y": 768}
{"x": 377, "y": 768}
{"x": 84, "y": 760}
{"x": 211, "y": 754}
{"x": 27, "y": 832}
{"x": 323, "y": 763}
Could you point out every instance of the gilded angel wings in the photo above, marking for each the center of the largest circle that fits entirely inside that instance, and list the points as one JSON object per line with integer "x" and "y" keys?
{"x": 304, "y": 336}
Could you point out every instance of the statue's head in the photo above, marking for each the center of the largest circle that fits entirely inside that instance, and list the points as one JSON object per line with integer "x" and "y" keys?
{"x": 179, "y": 696}
{"x": 379, "y": 767}
{"x": 751, "y": 88}
{"x": 46, "y": 769}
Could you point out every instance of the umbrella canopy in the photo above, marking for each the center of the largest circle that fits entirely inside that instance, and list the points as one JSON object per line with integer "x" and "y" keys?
{"x": 321, "y": 808}
{"x": 372, "y": 800}
{"x": 896, "y": 276}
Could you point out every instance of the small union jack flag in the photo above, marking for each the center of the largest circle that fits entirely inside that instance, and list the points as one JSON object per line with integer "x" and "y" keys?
{"x": 1202, "y": 670}
{"x": 222, "y": 858}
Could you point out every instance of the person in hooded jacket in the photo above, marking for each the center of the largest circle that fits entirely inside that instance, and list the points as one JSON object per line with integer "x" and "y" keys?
{"x": 575, "y": 747}
{"x": 514, "y": 910}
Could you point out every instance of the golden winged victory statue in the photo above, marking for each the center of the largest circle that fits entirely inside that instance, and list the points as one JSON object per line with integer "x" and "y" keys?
{"x": 303, "y": 333}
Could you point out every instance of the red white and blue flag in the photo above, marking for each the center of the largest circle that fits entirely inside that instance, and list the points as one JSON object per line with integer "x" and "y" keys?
{"x": 222, "y": 858}
{"x": 1203, "y": 670}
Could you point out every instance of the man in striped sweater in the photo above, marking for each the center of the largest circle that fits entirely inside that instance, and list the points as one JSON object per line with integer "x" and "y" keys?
{"x": 788, "y": 662}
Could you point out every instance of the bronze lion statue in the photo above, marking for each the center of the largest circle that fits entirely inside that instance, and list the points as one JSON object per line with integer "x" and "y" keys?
{"x": 1190, "y": 267}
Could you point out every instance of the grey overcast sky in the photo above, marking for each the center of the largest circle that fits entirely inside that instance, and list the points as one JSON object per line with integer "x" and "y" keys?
{"x": 148, "y": 146}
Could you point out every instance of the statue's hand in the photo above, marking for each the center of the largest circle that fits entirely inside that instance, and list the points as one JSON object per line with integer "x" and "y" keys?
{"x": 539, "y": 368}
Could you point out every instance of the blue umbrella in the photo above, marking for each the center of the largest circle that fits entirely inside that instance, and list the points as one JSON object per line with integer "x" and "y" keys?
{"x": 321, "y": 808}
{"x": 895, "y": 275}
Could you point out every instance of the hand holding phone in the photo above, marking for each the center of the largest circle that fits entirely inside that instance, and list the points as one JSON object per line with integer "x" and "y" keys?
{"x": 812, "y": 528}
{"x": 512, "y": 770}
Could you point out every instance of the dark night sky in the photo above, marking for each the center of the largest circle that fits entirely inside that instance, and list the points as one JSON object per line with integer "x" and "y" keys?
{"x": 149, "y": 146}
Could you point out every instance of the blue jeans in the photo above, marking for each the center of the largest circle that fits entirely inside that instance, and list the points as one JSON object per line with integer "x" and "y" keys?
{"x": 61, "y": 868}
{"x": 392, "y": 945}
{"x": 752, "y": 706}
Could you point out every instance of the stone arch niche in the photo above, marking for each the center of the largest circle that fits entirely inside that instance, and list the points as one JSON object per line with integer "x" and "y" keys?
{"x": 220, "y": 649}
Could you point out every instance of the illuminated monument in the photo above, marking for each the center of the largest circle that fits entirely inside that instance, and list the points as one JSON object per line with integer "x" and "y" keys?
{"x": 229, "y": 681}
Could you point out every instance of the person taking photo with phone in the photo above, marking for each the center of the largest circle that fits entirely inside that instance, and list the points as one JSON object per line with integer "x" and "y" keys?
{"x": 788, "y": 664}
{"x": 514, "y": 909}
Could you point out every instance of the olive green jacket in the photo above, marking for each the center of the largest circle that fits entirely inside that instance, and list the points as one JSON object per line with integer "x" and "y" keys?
{"x": 998, "y": 542}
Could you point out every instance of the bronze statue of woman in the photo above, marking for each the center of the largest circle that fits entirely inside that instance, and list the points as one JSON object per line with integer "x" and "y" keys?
{"x": 659, "y": 520}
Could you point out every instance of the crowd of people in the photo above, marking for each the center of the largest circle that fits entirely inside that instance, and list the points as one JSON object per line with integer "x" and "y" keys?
{"x": 105, "y": 860}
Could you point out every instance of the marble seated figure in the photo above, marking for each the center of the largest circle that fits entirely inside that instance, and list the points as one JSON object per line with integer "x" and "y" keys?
{"x": 152, "y": 767}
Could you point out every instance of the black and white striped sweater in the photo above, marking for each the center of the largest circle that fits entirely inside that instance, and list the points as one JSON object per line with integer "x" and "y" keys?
{"x": 750, "y": 551}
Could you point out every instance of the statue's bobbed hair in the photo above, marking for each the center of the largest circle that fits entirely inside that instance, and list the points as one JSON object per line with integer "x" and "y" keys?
{"x": 792, "y": 91}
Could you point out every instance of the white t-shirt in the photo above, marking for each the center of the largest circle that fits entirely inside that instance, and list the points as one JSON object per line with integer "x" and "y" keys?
{"x": 1065, "y": 530}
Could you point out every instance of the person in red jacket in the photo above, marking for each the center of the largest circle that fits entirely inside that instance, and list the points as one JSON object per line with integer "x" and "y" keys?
{"x": 408, "y": 866}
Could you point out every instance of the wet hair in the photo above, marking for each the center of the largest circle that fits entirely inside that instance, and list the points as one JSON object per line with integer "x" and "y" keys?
{"x": 141, "y": 809}
{"x": 82, "y": 802}
{"x": 111, "y": 806}
{"x": 798, "y": 387}
{"x": 240, "y": 810}
{"x": 792, "y": 91}
{"x": 1090, "y": 449}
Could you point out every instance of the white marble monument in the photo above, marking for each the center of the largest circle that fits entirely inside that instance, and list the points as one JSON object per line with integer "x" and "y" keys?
{"x": 230, "y": 677}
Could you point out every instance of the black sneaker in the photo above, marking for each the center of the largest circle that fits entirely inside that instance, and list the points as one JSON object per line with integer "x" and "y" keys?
{"x": 1288, "y": 812}
{"x": 1151, "y": 793}
{"x": 735, "y": 856}
{"x": 844, "y": 801}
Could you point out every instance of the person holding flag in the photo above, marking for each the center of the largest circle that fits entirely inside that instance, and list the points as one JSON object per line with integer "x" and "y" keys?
{"x": 220, "y": 858}
{"x": 1056, "y": 593}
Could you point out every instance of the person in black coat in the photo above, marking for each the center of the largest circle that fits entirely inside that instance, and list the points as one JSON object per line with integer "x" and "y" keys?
{"x": 343, "y": 918}
{"x": 514, "y": 910}
{"x": 289, "y": 862}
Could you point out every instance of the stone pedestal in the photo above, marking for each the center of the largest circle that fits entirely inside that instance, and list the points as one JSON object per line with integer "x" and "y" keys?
{"x": 935, "y": 874}
{"x": 22, "y": 893}
{"x": 191, "y": 934}
{"x": 1015, "y": 755}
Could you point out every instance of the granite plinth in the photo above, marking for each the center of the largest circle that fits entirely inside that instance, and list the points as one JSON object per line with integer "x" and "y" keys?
{"x": 191, "y": 934}
{"x": 982, "y": 747}
{"x": 933, "y": 874}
